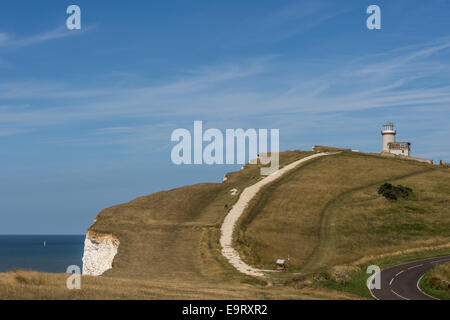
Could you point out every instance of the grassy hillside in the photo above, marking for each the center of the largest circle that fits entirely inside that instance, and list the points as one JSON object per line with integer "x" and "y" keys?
{"x": 325, "y": 213}
{"x": 174, "y": 234}
{"x": 329, "y": 212}
{"x": 168, "y": 250}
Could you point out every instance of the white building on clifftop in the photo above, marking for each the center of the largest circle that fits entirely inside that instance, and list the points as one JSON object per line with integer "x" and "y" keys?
{"x": 389, "y": 145}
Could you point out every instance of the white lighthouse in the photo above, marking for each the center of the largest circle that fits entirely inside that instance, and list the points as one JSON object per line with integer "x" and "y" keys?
{"x": 388, "y": 132}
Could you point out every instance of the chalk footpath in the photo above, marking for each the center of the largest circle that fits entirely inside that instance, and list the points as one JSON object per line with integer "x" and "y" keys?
{"x": 226, "y": 238}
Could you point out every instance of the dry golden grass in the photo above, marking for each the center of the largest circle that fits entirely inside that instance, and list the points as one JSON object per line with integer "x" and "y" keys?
{"x": 365, "y": 223}
{"x": 42, "y": 286}
{"x": 328, "y": 212}
{"x": 323, "y": 214}
{"x": 174, "y": 234}
{"x": 169, "y": 249}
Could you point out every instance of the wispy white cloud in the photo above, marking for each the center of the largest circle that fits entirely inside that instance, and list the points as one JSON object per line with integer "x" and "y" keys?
{"x": 228, "y": 94}
{"x": 10, "y": 42}
{"x": 287, "y": 21}
{"x": 112, "y": 130}
{"x": 37, "y": 89}
{"x": 412, "y": 60}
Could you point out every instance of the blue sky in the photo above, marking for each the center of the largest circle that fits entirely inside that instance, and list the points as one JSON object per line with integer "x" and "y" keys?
{"x": 86, "y": 116}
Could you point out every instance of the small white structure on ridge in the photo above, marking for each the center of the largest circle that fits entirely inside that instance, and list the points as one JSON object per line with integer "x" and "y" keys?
{"x": 389, "y": 145}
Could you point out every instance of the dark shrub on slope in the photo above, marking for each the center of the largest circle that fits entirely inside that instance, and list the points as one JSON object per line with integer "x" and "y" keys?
{"x": 391, "y": 192}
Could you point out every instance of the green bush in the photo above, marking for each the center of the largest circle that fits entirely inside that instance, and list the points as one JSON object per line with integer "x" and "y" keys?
{"x": 438, "y": 283}
{"x": 391, "y": 192}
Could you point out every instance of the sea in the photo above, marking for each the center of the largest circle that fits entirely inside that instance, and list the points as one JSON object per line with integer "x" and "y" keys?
{"x": 44, "y": 253}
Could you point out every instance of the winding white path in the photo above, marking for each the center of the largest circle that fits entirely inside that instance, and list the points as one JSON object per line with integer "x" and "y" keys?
{"x": 226, "y": 238}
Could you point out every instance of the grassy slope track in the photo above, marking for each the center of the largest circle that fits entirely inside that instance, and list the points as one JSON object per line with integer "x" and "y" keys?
{"x": 327, "y": 242}
{"x": 328, "y": 213}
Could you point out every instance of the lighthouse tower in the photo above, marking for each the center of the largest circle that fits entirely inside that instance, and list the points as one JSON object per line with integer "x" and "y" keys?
{"x": 388, "y": 133}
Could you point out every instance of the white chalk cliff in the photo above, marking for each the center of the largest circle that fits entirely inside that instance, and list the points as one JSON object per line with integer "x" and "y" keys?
{"x": 99, "y": 253}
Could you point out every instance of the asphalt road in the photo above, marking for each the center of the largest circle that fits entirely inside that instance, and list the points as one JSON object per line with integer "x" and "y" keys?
{"x": 401, "y": 282}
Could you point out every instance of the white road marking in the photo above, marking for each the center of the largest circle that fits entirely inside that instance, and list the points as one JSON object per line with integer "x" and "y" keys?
{"x": 402, "y": 297}
{"x": 419, "y": 265}
{"x": 392, "y": 280}
{"x": 400, "y": 273}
